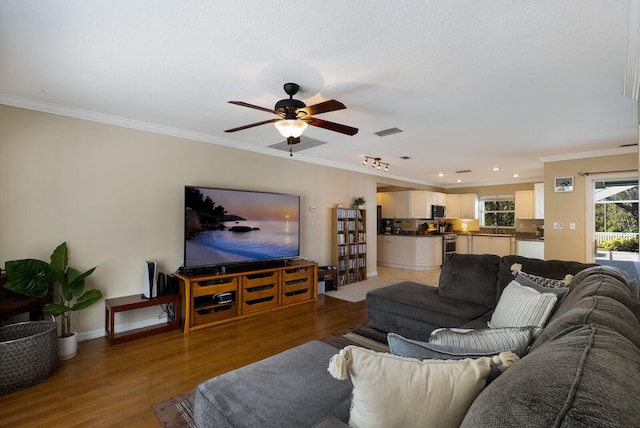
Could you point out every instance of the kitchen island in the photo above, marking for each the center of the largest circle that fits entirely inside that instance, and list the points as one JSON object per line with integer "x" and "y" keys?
{"x": 412, "y": 252}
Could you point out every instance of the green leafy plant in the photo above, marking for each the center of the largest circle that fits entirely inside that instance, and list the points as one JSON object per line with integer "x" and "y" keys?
{"x": 34, "y": 277}
{"x": 620, "y": 244}
{"x": 359, "y": 200}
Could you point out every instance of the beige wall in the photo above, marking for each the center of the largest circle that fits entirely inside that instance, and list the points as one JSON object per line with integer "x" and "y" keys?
{"x": 567, "y": 207}
{"x": 116, "y": 195}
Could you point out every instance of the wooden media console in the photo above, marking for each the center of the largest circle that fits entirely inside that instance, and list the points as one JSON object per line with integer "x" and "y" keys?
{"x": 213, "y": 299}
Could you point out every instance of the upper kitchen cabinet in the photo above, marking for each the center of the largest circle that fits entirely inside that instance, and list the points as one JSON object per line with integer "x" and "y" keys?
{"x": 453, "y": 206}
{"x": 468, "y": 205}
{"x": 530, "y": 203}
{"x": 388, "y": 203}
{"x": 524, "y": 204}
{"x": 405, "y": 204}
{"x": 538, "y": 200}
{"x": 462, "y": 206}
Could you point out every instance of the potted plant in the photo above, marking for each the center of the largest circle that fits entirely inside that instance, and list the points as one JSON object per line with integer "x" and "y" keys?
{"x": 359, "y": 202}
{"x": 36, "y": 278}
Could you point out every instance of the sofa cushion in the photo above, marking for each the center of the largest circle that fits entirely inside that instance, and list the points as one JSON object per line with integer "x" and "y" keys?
{"x": 525, "y": 281}
{"x": 393, "y": 391}
{"x": 586, "y": 377}
{"x": 291, "y": 389}
{"x": 470, "y": 278}
{"x": 522, "y": 307}
{"x": 556, "y": 269}
{"x": 514, "y": 339}
{"x": 424, "y": 350}
{"x": 422, "y": 302}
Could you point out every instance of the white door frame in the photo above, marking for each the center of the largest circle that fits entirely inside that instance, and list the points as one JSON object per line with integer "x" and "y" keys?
{"x": 590, "y": 207}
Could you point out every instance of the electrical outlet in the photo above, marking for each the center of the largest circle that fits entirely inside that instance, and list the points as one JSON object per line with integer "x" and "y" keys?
{"x": 557, "y": 225}
{"x": 572, "y": 226}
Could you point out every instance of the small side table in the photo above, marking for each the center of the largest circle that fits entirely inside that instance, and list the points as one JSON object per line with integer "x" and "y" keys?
{"x": 332, "y": 274}
{"x": 127, "y": 303}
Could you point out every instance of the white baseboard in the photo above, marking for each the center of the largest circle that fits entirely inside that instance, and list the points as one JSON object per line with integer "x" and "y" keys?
{"x": 94, "y": 334}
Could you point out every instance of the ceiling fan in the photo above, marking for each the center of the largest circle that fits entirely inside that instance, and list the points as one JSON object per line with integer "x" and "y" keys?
{"x": 294, "y": 116}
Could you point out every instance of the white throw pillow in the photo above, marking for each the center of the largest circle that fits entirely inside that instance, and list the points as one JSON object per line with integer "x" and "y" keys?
{"x": 522, "y": 307}
{"x": 394, "y": 391}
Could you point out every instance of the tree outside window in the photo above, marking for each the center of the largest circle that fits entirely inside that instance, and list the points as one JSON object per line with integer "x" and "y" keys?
{"x": 499, "y": 212}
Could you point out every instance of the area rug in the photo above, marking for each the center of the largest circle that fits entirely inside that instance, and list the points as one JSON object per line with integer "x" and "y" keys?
{"x": 357, "y": 292}
{"x": 176, "y": 412}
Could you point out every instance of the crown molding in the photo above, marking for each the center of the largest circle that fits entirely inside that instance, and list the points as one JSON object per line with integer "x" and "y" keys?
{"x": 591, "y": 154}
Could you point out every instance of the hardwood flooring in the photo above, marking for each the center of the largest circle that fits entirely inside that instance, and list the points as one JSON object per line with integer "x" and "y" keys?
{"x": 115, "y": 386}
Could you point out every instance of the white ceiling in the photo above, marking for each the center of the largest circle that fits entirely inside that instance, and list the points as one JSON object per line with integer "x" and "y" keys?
{"x": 472, "y": 83}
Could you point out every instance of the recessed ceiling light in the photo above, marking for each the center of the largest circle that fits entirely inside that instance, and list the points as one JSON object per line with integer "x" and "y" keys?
{"x": 495, "y": 168}
{"x": 516, "y": 175}
{"x": 459, "y": 180}
{"x": 441, "y": 174}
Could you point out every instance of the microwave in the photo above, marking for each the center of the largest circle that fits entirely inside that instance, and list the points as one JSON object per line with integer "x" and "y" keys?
{"x": 437, "y": 211}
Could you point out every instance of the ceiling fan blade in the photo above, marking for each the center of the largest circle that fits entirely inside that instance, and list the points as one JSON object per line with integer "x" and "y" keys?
{"x": 243, "y": 104}
{"x": 264, "y": 122}
{"x": 323, "y": 107}
{"x": 331, "y": 126}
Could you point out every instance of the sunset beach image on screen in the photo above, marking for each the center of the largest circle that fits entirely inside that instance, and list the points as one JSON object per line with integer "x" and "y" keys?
{"x": 224, "y": 226}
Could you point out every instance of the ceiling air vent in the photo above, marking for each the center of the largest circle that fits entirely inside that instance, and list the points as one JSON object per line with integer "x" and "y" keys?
{"x": 405, "y": 157}
{"x": 304, "y": 144}
{"x": 387, "y": 132}
{"x": 628, "y": 145}
{"x": 462, "y": 171}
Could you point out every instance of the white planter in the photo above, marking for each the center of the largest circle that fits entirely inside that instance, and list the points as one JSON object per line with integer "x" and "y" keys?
{"x": 67, "y": 346}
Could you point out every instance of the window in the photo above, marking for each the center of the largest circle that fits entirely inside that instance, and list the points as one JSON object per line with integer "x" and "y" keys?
{"x": 498, "y": 211}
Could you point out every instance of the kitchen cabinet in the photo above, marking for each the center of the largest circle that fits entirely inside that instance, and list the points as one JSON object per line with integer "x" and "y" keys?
{"x": 428, "y": 252}
{"x": 469, "y": 206}
{"x": 531, "y": 249}
{"x": 462, "y": 244}
{"x": 453, "y": 206}
{"x": 410, "y": 252}
{"x": 405, "y": 204}
{"x": 538, "y": 201}
{"x": 524, "y": 204}
{"x": 485, "y": 244}
{"x": 462, "y": 206}
{"x": 389, "y": 249}
{"x": 388, "y": 203}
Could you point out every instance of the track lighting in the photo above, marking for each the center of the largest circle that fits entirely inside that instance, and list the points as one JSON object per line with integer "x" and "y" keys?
{"x": 377, "y": 164}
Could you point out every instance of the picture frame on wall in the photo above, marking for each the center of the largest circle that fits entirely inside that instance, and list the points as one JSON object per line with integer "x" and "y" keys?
{"x": 563, "y": 184}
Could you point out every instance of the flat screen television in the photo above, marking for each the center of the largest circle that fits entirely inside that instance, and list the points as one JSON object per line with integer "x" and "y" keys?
{"x": 225, "y": 227}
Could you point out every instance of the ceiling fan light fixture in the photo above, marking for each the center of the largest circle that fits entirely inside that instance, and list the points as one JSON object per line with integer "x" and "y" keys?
{"x": 291, "y": 127}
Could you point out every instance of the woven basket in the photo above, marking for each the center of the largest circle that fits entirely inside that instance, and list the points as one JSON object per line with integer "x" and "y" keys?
{"x": 28, "y": 354}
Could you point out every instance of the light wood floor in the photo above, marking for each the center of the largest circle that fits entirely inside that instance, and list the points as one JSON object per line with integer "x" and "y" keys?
{"x": 115, "y": 386}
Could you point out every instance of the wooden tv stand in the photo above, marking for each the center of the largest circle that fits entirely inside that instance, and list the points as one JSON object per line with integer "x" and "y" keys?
{"x": 212, "y": 299}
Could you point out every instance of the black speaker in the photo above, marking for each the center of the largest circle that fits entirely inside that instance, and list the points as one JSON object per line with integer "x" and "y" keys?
{"x": 172, "y": 284}
{"x": 162, "y": 284}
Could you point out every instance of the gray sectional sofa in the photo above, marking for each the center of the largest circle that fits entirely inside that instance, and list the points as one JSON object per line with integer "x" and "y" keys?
{"x": 583, "y": 370}
{"x": 469, "y": 289}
